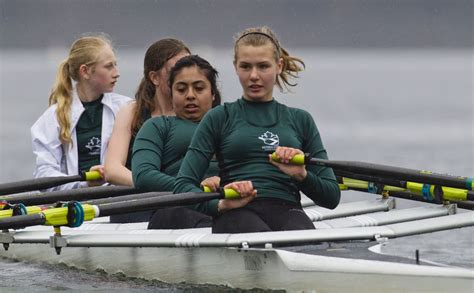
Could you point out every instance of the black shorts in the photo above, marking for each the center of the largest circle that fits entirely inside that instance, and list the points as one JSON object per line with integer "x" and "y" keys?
{"x": 263, "y": 214}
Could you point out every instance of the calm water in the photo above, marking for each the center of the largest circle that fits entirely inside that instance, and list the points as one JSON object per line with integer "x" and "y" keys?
{"x": 405, "y": 108}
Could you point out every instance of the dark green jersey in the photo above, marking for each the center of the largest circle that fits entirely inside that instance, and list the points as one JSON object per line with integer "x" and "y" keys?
{"x": 242, "y": 134}
{"x": 89, "y": 133}
{"x": 158, "y": 151}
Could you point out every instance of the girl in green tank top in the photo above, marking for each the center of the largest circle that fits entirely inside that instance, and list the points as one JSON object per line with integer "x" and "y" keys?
{"x": 243, "y": 133}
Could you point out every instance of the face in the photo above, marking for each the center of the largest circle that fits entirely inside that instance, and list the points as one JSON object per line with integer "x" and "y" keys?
{"x": 192, "y": 94}
{"x": 103, "y": 75}
{"x": 257, "y": 71}
{"x": 164, "y": 74}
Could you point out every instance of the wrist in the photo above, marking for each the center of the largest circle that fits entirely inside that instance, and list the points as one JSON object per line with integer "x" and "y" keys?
{"x": 301, "y": 176}
{"x": 220, "y": 207}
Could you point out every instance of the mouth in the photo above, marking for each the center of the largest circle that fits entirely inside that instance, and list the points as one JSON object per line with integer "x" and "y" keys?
{"x": 255, "y": 87}
{"x": 191, "y": 107}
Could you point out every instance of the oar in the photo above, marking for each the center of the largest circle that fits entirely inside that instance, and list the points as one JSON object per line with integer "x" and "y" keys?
{"x": 84, "y": 212}
{"x": 387, "y": 171}
{"x": 430, "y": 192}
{"x": 467, "y": 204}
{"x": 78, "y": 194}
{"x": 9, "y": 210}
{"x": 46, "y": 182}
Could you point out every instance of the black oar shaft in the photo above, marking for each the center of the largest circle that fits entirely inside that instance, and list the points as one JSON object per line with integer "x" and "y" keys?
{"x": 152, "y": 203}
{"x": 22, "y": 221}
{"x": 397, "y": 172}
{"x": 470, "y": 195}
{"x": 125, "y": 198}
{"x": 374, "y": 179}
{"x": 37, "y": 184}
{"x": 79, "y": 194}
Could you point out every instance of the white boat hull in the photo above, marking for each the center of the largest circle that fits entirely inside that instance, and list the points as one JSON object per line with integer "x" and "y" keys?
{"x": 196, "y": 256}
{"x": 252, "y": 268}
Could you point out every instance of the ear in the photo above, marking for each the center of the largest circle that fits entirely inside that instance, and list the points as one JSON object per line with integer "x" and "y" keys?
{"x": 84, "y": 71}
{"x": 280, "y": 65}
{"x": 154, "y": 76}
{"x": 213, "y": 97}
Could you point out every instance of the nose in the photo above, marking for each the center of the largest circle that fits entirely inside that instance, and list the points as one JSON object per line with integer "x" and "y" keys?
{"x": 190, "y": 94}
{"x": 253, "y": 74}
{"x": 117, "y": 73}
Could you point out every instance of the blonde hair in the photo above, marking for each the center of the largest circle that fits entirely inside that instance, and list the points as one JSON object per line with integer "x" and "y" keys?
{"x": 260, "y": 36}
{"x": 84, "y": 51}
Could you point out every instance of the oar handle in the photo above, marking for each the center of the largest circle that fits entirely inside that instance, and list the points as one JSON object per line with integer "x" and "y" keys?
{"x": 298, "y": 159}
{"x": 228, "y": 193}
{"x": 91, "y": 175}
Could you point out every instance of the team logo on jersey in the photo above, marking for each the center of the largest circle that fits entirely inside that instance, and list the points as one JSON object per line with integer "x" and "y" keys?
{"x": 94, "y": 145}
{"x": 270, "y": 140}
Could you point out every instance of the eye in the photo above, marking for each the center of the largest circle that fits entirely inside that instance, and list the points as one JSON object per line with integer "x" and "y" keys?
{"x": 264, "y": 66}
{"x": 244, "y": 66}
{"x": 180, "y": 89}
{"x": 199, "y": 88}
{"x": 110, "y": 65}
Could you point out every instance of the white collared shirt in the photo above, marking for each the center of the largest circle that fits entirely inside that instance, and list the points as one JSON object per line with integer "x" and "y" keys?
{"x": 52, "y": 157}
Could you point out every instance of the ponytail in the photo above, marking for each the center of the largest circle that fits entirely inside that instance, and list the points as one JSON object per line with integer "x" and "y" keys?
{"x": 145, "y": 101}
{"x": 62, "y": 96}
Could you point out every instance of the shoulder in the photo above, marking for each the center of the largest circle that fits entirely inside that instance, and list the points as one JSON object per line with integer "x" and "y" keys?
{"x": 48, "y": 117}
{"x": 115, "y": 100}
{"x": 127, "y": 110}
{"x": 117, "y": 97}
{"x": 296, "y": 113}
{"x": 223, "y": 110}
{"x": 154, "y": 128}
{"x": 156, "y": 122}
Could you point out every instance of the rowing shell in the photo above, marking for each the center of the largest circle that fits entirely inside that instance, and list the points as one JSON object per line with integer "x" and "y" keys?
{"x": 290, "y": 260}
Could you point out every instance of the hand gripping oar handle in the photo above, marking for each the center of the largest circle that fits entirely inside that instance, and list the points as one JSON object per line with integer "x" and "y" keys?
{"x": 386, "y": 171}
{"x": 46, "y": 182}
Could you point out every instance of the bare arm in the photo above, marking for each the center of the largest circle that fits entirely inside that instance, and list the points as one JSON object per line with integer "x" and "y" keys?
{"x": 117, "y": 152}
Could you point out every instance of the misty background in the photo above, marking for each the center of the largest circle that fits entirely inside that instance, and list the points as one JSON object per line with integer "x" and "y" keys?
{"x": 388, "y": 81}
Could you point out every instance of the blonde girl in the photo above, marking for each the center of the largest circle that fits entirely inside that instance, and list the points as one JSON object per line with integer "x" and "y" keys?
{"x": 72, "y": 134}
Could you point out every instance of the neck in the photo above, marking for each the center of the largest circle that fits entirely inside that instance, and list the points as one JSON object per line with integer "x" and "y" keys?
{"x": 262, "y": 100}
{"x": 163, "y": 106}
{"x": 86, "y": 94}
